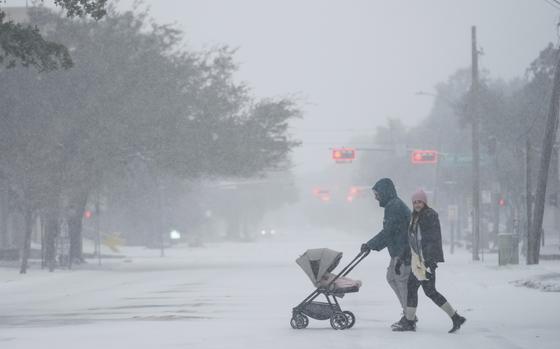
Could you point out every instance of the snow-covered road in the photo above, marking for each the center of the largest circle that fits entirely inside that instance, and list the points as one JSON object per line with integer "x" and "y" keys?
{"x": 240, "y": 295}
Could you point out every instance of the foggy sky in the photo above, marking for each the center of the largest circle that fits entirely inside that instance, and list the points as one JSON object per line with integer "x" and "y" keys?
{"x": 358, "y": 62}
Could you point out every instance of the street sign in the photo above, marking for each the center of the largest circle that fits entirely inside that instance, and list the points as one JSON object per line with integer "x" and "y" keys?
{"x": 458, "y": 160}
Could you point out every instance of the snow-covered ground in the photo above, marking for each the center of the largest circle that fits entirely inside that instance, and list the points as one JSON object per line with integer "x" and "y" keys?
{"x": 240, "y": 295}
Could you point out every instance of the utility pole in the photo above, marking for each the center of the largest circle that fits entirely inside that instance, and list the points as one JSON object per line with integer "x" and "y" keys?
{"x": 540, "y": 193}
{"x": 528, "y": 194}
{"x": 475, "y": 149}
{"x": 497, "y": 189}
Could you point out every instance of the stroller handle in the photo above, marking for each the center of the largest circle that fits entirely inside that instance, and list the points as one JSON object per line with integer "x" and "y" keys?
{"x": 347, "y": 269}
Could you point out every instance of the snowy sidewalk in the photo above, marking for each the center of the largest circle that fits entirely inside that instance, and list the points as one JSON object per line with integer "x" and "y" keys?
{"x": 241, "y": 295}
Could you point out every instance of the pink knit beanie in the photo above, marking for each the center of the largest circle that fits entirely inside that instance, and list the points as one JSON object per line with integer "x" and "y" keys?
{"x": 420, "y": 195}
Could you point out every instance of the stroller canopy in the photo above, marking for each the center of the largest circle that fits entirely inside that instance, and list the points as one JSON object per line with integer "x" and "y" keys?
{"x": 317, "y": 262}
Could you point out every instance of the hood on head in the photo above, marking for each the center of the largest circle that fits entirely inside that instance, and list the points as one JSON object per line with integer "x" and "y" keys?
{"x": 386, "y": 190}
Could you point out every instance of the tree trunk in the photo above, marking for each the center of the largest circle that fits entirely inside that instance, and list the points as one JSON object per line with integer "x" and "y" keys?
{"x": 75, "y": 235}
{"x": 75, "y": 223}
{"x": 43, "y": 244}
{"x": 51, "y": 232}
{"x": 548, "y": 143}
{"x": 4, "y": 216}
{"x": 25, "y": 250}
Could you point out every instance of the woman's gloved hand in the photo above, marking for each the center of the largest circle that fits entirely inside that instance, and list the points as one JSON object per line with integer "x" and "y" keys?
{"x": 430, "y": 269}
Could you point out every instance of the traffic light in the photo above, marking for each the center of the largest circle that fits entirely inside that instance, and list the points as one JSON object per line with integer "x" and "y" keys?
{"x": 352, "y": 193}
{"x": 323, "y": 194}
{"x": 343, "y": 154}
{"x": 502, "y": 202}
{"x": 420, "y": 157}
{"x": 88, "y": 214}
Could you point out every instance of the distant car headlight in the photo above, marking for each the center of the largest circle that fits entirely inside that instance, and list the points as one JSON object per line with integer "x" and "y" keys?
{"x": 174, "y": 235}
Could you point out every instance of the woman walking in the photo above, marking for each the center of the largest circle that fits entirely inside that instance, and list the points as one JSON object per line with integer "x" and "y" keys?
{"x": 424, "y": 237}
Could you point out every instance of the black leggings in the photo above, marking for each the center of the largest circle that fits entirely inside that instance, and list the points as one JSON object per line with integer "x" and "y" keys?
{"x": 429, "y": 287}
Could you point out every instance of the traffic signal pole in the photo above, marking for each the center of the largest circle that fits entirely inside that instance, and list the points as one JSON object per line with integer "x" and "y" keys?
{"x": 475, "y": 149}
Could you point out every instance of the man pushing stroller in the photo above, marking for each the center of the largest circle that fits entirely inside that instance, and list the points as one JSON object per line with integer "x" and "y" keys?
{"x": 393, "y": 236}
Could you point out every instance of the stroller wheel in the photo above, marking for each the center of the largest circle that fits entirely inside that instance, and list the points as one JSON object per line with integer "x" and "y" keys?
{"x": 351, "y": 318}
{"x": 305, "y": 321}
{"x": 339, "y": 321}
{"x": 299, "y": 321}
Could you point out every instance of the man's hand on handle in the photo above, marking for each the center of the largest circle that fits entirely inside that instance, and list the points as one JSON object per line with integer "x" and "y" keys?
{"x": 365, "y": 248}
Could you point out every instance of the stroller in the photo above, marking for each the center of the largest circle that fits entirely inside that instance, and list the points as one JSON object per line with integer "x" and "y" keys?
{"x": 318, "y": 264}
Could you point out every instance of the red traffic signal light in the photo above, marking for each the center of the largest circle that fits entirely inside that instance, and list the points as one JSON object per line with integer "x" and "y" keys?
{"x": 343, "y": 154}
{"x": 502, "y": 202}
{"x": 420, "y": 157}
{"x": 88, "y": 214}
{"x": 323, "y": 194}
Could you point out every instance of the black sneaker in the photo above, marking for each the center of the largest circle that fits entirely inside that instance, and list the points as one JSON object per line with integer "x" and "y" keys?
{"x": 402, "y": 320}
{"x": 405, "y": 326}
{"x": 458, "y": 320}
{"x": 399, "y": 323}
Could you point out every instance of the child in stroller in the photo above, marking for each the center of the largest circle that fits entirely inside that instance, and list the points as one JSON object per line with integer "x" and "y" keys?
{"x": 318, "y": 264}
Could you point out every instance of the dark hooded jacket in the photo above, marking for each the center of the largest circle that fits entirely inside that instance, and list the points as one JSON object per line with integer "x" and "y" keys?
{"x": 395, "y": 220}
{"x": 424, "y": 236}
